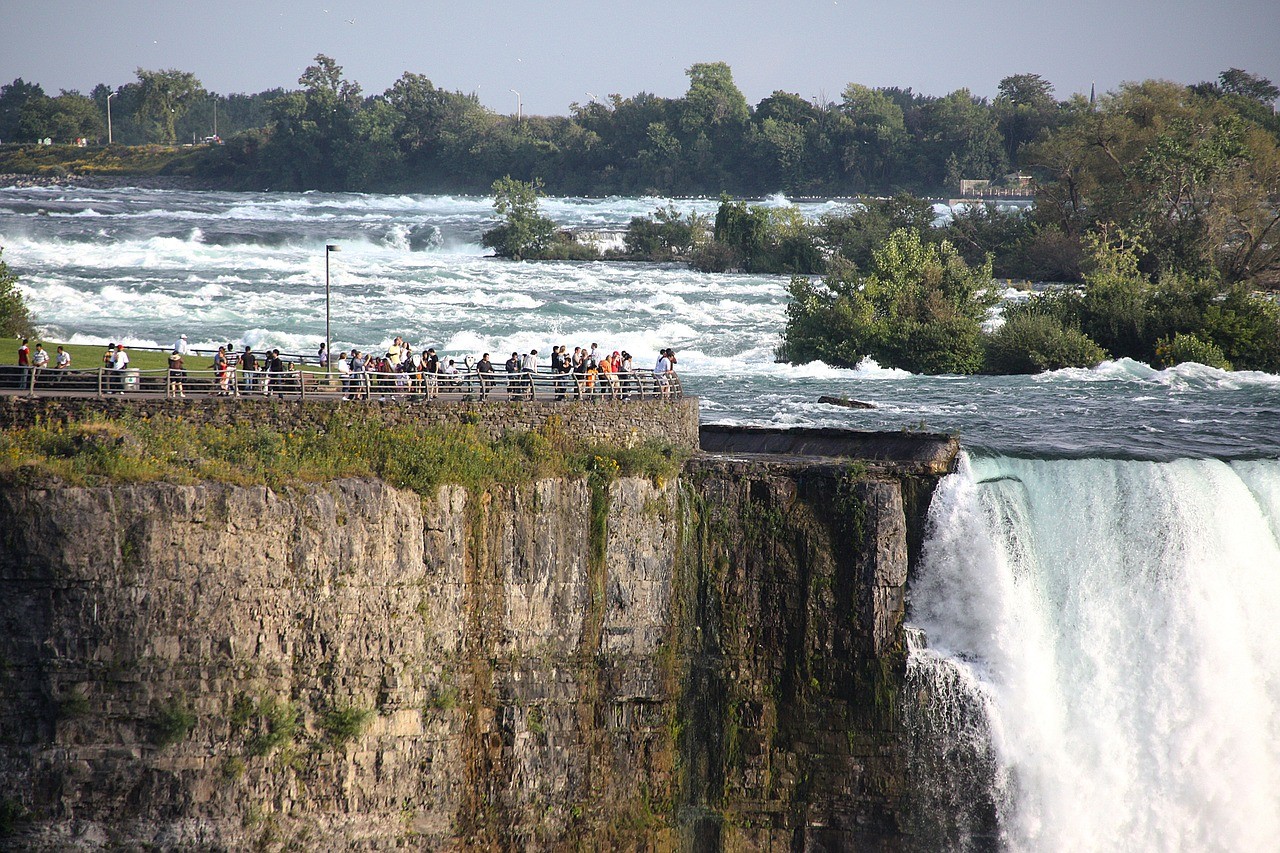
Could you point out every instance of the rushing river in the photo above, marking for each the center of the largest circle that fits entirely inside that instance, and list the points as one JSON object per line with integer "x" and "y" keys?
{"x": 1098, "y": 599}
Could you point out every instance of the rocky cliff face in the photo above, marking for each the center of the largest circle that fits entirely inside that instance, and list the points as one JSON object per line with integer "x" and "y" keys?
{"x": 705, "y": 663}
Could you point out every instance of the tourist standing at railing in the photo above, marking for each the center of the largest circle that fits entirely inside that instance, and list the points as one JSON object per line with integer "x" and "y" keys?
{"x": 430, "y": 367}
{"x": 220, "y": 370}
{"x": 512, "y": 367}
{"x": 579, "y": 365}
{"x": 530, "y": 369}
{"x": 661, "y": 370}
{"x": 343, "y": 367}
{"x": 24, "y": 363}
{"x": 625, "y": 378}
{"x": 177, "y": 374}
{"x": 180, "y": 346}
{"x": 63, "y": 361}
{"x": 119, "y": 364}
{"x": 40, "y": 357}
{"x": 484, "y": 369}
{"x": 356, "y": 381}
{"x": 322, "y": 357}
{"x": 248, "y": 367}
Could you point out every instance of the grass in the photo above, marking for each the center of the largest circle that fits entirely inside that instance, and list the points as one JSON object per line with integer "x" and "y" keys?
{"x": 59, "y": 160}
{"x": 418, "y": 457}
{"x": 89, "y": 356}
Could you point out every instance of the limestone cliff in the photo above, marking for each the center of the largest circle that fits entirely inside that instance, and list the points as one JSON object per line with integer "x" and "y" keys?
{"x": 708, "y": 662}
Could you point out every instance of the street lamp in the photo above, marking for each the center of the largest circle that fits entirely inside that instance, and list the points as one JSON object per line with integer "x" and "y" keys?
{"x": 110, "y": 95}
{"x": 329, "y": 249}
{"x": 518, "y": 105}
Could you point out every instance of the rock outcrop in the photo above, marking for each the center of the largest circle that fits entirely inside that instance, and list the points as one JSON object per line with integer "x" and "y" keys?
{"x": 703, "y": 663}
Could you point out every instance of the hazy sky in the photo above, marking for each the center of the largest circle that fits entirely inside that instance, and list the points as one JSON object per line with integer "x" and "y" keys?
{"x": 555, "y": 53}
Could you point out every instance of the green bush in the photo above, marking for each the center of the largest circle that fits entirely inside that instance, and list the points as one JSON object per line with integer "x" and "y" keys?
{"x": 275, "y": 724}
{"x": 345, "y": 724}
{"x": 15, "y": 319}
{"x": 564, "y": 246}
{"x": 1182, "y": 348}
{"x": 1031, "y": 342}
{"x": 714, "y": 256}
{"x": 524, "y": 233}
{"x": 172, "y": 723}
{"x": 920, "y": 308}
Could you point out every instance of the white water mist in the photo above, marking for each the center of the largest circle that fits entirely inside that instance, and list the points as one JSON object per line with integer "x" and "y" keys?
{"x": 1119, "y": 621}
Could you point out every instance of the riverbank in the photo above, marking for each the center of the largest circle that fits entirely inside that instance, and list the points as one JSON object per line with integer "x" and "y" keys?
{"x": 107, "y": 182}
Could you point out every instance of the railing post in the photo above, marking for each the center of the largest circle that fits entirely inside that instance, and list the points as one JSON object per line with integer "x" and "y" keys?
{"x": 302, "y": 386}
{"x": 32, "y": 388}
{"x": 99, "y": 381}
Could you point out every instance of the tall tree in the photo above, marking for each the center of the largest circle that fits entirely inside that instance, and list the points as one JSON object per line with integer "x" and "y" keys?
{"x": 166, "y": 97}
{"x": 13, "y": 97}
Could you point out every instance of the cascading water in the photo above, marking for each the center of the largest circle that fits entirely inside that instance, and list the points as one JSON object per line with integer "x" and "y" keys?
{"x": 1116, "y": 623}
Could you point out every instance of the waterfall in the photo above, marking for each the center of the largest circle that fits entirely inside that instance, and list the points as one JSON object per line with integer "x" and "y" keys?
{"x": 1116, "y": 626}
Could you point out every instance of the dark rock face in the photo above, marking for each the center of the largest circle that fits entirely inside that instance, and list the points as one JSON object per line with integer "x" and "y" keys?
{"x": 711, "y": 663}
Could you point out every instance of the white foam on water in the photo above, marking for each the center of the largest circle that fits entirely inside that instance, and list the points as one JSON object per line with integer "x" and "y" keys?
{"x": 1121, "y": 616}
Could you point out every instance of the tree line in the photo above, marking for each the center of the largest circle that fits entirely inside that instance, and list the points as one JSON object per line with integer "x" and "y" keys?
{"x": 328, "y": 134}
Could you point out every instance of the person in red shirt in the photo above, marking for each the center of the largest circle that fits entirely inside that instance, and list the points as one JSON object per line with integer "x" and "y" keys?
{"x": 24, "y": 354}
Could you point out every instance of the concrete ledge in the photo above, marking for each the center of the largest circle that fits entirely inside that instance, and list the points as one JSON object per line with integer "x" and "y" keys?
{"x": 933, "y": 453}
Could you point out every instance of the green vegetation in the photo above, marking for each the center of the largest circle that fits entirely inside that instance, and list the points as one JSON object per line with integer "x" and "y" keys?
{"x": 327, "y": 134}
{"x": 418, "y": 457}
{"x": 89, "y": 356}
{"x": 73, "y": 705}
{"x": 524, "y": 232}
{"x": 919, "y": 308}
{"x": 272, "y": 725}
{"x": 15, "y": 320}
{"x": 1031, "y": 341}
{"x": 344, "y": 724}
{"x": 172, "y": 723}
{"x": 12, "y": 813}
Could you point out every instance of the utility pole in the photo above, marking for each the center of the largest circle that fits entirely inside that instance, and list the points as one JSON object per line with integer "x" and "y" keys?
{"x": 518, "y": 105}
{"x": 110, "y": 95}
{"x": 329, "y": 249}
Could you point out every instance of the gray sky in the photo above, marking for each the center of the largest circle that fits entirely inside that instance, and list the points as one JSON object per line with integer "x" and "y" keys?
{"x": 554, "y": 53}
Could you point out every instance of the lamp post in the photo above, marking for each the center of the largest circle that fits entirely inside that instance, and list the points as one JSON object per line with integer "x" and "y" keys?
{"x": 329, "y": 249}
{"x": 518, "y": 104}
{"x": 110, "y": 95}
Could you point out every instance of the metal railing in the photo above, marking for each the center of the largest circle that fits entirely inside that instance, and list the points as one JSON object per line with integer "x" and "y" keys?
{"x": 542, "y": 386}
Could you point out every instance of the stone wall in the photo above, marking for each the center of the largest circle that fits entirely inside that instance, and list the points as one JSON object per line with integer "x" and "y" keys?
{"x": 160, "y": 641}
{"x": 675, "y": 421}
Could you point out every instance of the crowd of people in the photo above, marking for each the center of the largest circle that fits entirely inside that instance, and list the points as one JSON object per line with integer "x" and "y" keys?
{"x": 586, "y": 373}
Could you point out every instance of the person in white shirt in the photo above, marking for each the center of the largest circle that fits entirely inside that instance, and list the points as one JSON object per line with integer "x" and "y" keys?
{"x": 529, "y": 367}
{"x": 118, "y": 364}
{"x": 180, "y": 346}
{"x": 660, "y": 373}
